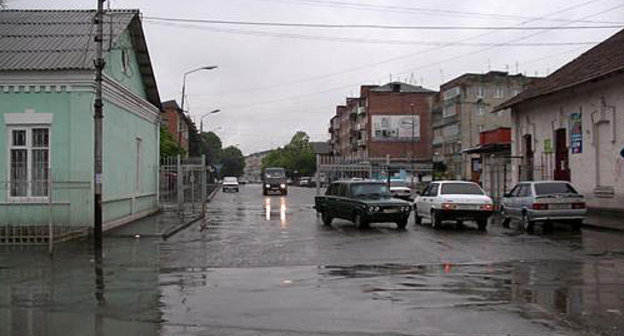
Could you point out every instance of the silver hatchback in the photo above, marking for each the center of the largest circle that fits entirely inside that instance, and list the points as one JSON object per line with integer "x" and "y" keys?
{"x": 543, "y": 201}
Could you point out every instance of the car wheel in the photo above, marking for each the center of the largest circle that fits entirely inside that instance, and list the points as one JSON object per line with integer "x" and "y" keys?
{"x": 436, "y": 222}
{"x": 417, "y": 219}
{"x": 402, "y": 224}
{"x": 577, "y": 224}
{"x": 526, "y": 223}
{"x": 360, "y": 221}
{"x": 327, "y": 219}
{"x": 482, "y": 224}
{"x": 506, "y": 220}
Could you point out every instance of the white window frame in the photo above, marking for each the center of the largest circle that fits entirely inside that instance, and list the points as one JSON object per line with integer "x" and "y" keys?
{"x": 480, "y": 109}
{"x": 29, "y": 150}
{"x": 138, "y": 163}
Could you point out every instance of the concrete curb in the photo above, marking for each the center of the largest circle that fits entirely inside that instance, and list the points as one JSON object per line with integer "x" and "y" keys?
{"x": 602, "y": 227}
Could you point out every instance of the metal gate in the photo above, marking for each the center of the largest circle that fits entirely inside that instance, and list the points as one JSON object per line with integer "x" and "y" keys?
{"x": 184, "y": 186}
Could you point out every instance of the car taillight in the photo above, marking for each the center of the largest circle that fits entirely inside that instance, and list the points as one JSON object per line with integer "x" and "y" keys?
{"x": 578, "y": 205}
{"x": 539, "y": 206}
{"x": 487, "y": 207}
{"x": 448, "y": 206}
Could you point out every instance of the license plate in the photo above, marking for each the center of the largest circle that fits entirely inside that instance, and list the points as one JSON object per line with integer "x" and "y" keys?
{"x": 392, "y": 210}
{"x": 559, "y": 206}
{"x": 469, "y": 207}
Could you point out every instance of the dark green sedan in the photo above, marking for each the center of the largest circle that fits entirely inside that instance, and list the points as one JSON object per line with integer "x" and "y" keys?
{"x": 362, "y": 202}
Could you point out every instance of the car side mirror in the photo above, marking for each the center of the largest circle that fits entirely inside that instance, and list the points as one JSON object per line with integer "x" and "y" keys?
{"x": 507, "y": 195}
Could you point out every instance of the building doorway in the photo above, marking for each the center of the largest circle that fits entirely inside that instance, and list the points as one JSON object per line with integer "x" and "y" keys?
{"x": 562, "y": 164}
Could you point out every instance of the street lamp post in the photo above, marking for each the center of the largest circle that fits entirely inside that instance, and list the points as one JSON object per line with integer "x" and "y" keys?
{"x": 182, "y": 100}
{"x": 201, "y": 127}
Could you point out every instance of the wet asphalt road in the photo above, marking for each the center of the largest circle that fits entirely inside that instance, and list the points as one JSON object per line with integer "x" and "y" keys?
{"x": 266, "y": 266}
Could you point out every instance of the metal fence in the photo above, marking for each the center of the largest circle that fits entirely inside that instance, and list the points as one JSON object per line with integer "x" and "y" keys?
{"x": 330, "y": 168}
{"x": 39, "y": 211}
{"x": 185, "y": 184}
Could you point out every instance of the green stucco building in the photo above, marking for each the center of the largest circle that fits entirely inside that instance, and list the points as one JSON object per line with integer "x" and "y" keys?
{"x": 46, "y": 121}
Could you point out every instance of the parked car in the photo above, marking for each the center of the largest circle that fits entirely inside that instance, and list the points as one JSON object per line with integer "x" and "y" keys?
{"x": 543, "y": 201}
{"x": 362, "y": 202}
{"x": 400, "y": 189}
{"x": 274, "y": 180}
{"x": 453, "y": 200}
{"x": 243, "y": 181}
{"x": 230, "y": 183}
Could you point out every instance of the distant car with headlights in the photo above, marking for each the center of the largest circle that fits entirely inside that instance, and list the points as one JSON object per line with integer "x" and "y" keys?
{"x": 362, "y": 202}
{"x": 543, "y": 201}
{"x": 458, "y": 201}
{"x": 230, "y": 183}
{"x": 274, "y": 180}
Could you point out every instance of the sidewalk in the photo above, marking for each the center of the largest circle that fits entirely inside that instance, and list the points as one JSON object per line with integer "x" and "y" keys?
{"x": 607, "y": 220}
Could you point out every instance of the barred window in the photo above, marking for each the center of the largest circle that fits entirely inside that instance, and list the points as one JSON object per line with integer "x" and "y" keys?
{"x": 29, "y": 161}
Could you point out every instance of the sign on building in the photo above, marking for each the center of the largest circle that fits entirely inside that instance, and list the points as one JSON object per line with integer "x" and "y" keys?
{"x": 576, "y": 133}
{"x": 395, "y": 127}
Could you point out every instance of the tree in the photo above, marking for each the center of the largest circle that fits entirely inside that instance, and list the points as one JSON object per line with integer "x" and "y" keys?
{"x": 211, "y": 147}
{"x": 297, "y": 157}
{"x": 168, "y": 145}
{"x": 232, "y": 162}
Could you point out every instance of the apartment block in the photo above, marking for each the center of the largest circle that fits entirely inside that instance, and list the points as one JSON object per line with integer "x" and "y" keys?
{"x": 463, "y": 111}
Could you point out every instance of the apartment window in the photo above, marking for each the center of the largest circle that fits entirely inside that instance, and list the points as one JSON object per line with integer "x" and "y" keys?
{"x": 479, "y": 91}
{"x": 480, "y": 109}
{"x": 499, "y": 92}
{"x": 29, "y": 160}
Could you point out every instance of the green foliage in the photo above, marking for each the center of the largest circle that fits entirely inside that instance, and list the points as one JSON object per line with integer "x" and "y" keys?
{"x": 211, "y": 147}
{"x": 168, "y": 145}
{"x": 232, "y": 161}
{"x": 297, "y": 157}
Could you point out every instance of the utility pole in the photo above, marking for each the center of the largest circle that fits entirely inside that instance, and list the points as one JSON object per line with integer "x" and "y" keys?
{"x": 413, "y": 140}
{"x": 97, "y": 122}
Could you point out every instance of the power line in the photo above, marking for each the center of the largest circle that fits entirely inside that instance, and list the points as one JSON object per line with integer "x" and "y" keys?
{"x": 397, "y": 58}
{"x": 370, "y": 26}
{"x": 420, "y": 10}
{"x": 428, "y": 65}
{"x": 368, "y": 40}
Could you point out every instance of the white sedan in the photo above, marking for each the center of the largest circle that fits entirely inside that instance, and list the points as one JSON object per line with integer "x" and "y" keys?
{"x": 453, "y": 200}
{"x": 230, "y": 183}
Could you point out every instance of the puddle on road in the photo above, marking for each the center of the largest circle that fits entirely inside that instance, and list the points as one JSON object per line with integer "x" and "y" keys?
{"x": 554, "y": 297}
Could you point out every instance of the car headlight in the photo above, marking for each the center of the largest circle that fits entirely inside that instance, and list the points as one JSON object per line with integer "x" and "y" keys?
{"x": 373, "y": 209}
{"x": 267, "y": 186}
{"x": 283, "y": 186}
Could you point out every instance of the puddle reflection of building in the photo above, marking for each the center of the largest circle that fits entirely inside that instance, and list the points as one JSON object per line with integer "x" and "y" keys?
{"x": 78, "y": 293}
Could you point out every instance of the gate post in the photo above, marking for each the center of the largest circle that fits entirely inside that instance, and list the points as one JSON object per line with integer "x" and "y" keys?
{"x": 180, "y": 187}
{"x": 203, "y": 185}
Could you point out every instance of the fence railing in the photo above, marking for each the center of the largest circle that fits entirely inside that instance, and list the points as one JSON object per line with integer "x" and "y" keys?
{"x": 42, "y": 211}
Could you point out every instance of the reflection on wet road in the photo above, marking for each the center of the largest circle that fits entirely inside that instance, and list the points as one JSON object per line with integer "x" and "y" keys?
{"x": 264, "y": 265}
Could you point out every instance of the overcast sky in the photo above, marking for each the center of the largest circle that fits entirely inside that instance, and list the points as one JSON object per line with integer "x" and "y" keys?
{"x": 268, "y": 86}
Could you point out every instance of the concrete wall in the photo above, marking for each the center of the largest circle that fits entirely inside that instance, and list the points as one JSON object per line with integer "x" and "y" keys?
{"x": 599, "y": 169}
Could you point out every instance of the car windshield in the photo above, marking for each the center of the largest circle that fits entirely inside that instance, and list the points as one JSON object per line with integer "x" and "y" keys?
{"x": 461, "y": 189}
{"x": 553, "y": 188}
{"x": 370, "y": 189}
{"x": 274, "y": 173}
{"x": 229, "y": 180}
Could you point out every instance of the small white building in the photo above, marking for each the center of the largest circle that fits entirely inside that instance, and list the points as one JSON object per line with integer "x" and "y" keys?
{"x": 570, "y": 126}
